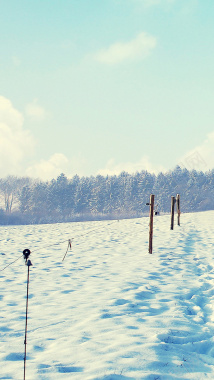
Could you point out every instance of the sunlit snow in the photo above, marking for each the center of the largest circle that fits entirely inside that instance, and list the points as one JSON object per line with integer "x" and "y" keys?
{"x": 110, "y": 310}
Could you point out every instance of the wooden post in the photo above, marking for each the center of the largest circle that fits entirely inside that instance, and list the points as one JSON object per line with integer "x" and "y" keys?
{"x": 151, "y": 214}
{"x": 172, "y": 212}
{"x": 178, "y": 207}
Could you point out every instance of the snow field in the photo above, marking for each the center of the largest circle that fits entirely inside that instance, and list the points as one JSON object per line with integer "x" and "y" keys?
{"x": 110, "y": 310}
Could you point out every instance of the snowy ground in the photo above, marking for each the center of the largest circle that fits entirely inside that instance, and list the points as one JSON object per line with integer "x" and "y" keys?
{"x": 110, "y": 310}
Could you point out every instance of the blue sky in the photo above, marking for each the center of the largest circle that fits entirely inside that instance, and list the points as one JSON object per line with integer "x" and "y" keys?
{"x": 91, "y": 86}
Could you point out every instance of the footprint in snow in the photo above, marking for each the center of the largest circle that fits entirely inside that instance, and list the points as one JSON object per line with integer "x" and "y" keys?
{"x": 15, "y": 356}
{"x": 120, "y": 302}
{"x": 65, "y": 369}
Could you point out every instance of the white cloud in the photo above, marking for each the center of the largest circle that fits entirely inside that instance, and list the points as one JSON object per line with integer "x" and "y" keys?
{"x": 130, "y": 167}
{"x": 16, "y": 143}
{"x": 17, "y": 148}
{"x": 34, "y": 110}
{"x": 49, "y": 169}
{"x": 201, "y": 157}
{"x": 137, "y": 48}
{"x": 9, "y": 115}
{"x": 55, "y": 165}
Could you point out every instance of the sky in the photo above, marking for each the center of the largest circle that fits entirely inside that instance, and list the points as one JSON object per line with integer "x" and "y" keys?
{"x": 100, "y": 87}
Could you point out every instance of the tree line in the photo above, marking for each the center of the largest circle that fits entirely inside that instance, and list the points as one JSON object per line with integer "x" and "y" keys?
{"x": 28, "y": 201}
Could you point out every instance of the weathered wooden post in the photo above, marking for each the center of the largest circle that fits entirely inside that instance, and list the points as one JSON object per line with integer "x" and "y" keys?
{"x": 178, "y": 207}
{"x": 172, "y": 212}
{"x": 151, "y": 214}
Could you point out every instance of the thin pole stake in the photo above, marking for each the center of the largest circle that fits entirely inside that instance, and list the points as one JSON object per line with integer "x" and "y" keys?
{"x": 26, "y": 254}
{"x": 69, "y": 246}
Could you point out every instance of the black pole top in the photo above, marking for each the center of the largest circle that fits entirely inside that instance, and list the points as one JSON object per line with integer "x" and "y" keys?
{"x": 26, "y": 254}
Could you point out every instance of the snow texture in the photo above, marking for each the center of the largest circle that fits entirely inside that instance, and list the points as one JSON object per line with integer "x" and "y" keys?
{"x": 110, "y": 310}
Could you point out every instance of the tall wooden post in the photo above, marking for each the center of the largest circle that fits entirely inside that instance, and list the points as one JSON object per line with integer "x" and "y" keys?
{"x": 178, "y": 207}
{"x": 172, "y": 212}
{"x": 151, "y": 214}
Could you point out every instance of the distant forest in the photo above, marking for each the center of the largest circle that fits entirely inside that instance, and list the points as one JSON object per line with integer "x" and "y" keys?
{"x": 27, "y": 201}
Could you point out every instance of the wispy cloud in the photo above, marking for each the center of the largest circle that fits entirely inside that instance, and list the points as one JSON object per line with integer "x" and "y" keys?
{"x": 138, "y": 48}
{"x": 144, "y": 163}
{"x": 48, "y": 169}
{"x": 35, "y": 111}
{"x": 201, "y": 157}
{"x": 149, "y": 3}
{"x": 16, "y": 143}
{"x": 183, "y": 6}
{"x": 55, "y": 165}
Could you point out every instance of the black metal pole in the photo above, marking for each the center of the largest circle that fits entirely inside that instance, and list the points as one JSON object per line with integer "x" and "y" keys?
{"x": 25, "y": 341}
